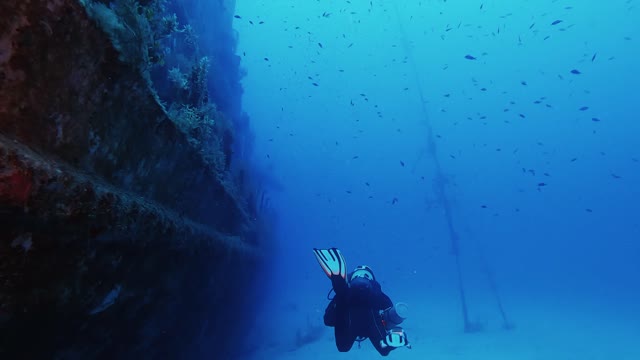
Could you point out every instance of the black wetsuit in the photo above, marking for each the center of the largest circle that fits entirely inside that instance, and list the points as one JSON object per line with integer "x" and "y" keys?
{"x": 355, "y": 312}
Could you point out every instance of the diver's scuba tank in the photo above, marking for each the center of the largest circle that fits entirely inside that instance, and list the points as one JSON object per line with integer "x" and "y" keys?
{"x": 394, "y": 316}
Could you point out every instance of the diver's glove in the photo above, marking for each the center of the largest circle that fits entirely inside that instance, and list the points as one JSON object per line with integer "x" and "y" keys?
{"x": 395, "y": 338}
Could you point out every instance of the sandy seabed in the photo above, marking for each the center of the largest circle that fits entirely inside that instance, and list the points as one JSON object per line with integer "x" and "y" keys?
{"x": 545, "y": 329}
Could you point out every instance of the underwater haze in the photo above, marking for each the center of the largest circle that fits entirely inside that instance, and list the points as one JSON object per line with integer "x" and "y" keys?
{"x": 413, "y": 134}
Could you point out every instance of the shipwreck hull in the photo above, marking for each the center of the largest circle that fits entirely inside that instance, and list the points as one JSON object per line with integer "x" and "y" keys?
{"x": 117, "y": 239}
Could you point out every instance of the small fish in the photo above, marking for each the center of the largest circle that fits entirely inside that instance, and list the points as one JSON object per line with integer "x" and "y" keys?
{"x": 542, "y": 184}
{"x": 266, "y": 59}
{"x": 574, "y": 159}
{"x": 483, "y": 206}
{"x": 366, "y": 183}
{"x": 593, "y": 57}
{"x": 469, "y": 57}
{"x": 315, "y": 84}
{"x": 576, "y": 72}
{"x": 320, "y": 44}
{"x": 523, "y": 83}
{"x": 402, "y": 163}
{"x": 395, "y": 200}
{"x": 588, "y": 210}
{"x": 584, "y": 108}
{"x": 261, "y": 22}
{"x": 556, "y": 22}
{"x": 250, "y": 22}
{"x": 237, "y": 16}
{"x": 616, "y": 176}
{"x": 522, "y": 116}
{"x": 355, "y": 157}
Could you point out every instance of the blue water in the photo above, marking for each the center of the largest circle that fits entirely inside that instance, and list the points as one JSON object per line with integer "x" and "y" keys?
{"x": 533, "y": 151}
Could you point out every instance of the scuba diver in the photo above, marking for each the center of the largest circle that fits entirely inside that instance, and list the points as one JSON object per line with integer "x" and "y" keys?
{"x": 359, "y": 309}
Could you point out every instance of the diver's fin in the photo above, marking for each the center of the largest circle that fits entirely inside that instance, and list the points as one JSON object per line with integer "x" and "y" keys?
{"x": 332, "y": 262}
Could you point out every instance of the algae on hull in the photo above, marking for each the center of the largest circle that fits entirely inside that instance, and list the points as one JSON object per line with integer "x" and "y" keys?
{"x": 100, "y": 190}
